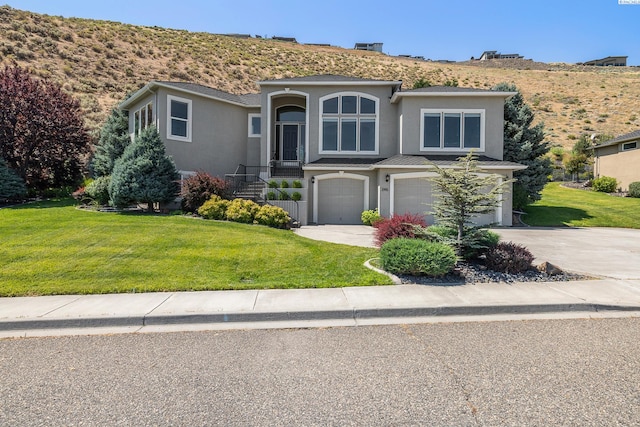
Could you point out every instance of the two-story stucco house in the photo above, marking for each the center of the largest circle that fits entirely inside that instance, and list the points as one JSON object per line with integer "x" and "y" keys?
{"x": 355, "y": 144}
{"x": 619, "y": 158}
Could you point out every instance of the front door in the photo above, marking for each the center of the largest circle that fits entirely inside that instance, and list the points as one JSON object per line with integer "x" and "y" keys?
{"x": 290, "y": 141}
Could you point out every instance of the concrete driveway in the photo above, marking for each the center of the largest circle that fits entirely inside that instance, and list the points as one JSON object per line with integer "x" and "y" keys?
{"x": 607, "y": 252}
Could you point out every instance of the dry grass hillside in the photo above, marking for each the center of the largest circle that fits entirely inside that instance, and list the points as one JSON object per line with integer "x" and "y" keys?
{"x": 99, "y": 62}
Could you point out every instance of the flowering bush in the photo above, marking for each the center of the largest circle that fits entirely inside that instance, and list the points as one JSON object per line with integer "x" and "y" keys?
{"x": 397, "y": 226}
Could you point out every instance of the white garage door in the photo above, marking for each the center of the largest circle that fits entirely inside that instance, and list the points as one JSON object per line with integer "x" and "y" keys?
{"x": 413, "y": 195}
{"x": 340, "y": 201}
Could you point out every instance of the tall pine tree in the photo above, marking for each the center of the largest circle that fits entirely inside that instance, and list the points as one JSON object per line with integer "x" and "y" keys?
{"x": 114, "y": 138}
{"x": 11, "y": 186}
{"x": 144, "y": 173}
{"x": 524, "y": 144}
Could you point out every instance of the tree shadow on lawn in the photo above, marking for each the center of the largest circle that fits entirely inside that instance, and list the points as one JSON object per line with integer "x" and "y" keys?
{"x": 554, "y": 215}
{"x": 41, "y": 204}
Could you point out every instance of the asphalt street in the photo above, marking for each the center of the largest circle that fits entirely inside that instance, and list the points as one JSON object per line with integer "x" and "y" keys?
{"x": 543, "y": 372}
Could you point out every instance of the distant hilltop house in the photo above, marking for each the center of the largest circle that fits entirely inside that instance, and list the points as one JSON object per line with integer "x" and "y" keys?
{"x": 609, "y": 61}
{"x": 493, "y": 54}
{"x": 284, "y": 39}
{"x": 374, "y": 47}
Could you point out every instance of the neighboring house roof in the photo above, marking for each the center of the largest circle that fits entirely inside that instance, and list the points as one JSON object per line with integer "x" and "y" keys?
{"x": 329, "y": 79}
{"x": 248, "y": 100}
{"x": 449, "y": 91}
{"x": 622, "y": 138}
{"x": 405, "y": 161}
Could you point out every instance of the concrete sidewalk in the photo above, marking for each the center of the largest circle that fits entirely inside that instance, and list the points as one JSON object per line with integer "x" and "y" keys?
{"x": 152, "y": 312}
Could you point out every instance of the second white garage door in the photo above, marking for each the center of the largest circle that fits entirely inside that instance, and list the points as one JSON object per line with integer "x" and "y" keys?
{"x": 413, "y": 195}
{"x": 340, "y": 201}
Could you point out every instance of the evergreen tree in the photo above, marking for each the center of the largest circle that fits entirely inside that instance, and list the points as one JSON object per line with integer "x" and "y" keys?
{"x": 524, "y": 144}
{"x": 114, "y": 138}
{"x": 463, "y": 195}
{"x": 11, "y": 186}
{"x": 144, "y": 173}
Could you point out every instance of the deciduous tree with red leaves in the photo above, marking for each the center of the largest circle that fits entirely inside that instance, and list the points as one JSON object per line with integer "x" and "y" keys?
{"x": 42, "y": 134}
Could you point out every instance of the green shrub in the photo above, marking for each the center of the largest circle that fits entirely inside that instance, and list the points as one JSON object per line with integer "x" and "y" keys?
{"x": 417, "y": 257}
{"x": 11, "y": 185}
{"x": 271, "y": 195}
{"x": 272, "y": 216}
{"x": 370, "y": 217}
{"x": 273, "y": 184}
{"x": 479, "y": 241}
{"x": 296, "y": 184}
{"x": 241, "y": 210}
{"x": 214, "y": 208}
{"x": 283, "y": 195}
{"x": 405, "y": 225}
{"x": 284, "y": 184}
{"x": 98, "y": 190}
{"x": 199, "y": 188}
{"x": 296, "y": 196}
{"x": 634, "y": 189}
{"x": 605, "y": 184}
{"x": 509, "y": 257}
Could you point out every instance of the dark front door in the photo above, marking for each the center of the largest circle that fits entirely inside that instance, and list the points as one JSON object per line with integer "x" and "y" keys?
{"x": 290, "y": 142}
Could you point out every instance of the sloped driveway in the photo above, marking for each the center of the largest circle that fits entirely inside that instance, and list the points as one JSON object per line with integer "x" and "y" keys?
{"x": 607, "y": 252}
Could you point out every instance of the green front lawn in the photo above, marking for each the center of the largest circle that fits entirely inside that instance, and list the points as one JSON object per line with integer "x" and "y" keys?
{"x": 580, "y": 208}
{"x": 52, "y": 248}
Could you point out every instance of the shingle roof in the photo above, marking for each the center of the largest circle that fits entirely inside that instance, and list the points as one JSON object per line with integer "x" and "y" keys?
{"x": 444, "y": 160}
{"x": 214, "y": 93}
{"x": 622, "y": 138}
{"x": 403, "y": 161}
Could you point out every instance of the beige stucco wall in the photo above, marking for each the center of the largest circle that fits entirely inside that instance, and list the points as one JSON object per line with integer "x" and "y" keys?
{"x": 622, "y": 165}
{"x": 409, "y": 108}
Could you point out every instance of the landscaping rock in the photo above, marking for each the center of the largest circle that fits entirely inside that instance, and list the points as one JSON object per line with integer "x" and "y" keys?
{"x": 550, "y": 269}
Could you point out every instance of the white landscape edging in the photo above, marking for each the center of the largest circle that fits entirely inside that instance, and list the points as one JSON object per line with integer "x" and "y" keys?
{"x": 395, "y": 279}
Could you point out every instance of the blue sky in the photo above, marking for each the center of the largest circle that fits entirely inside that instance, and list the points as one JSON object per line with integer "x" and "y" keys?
{"x": 543, "y": 30}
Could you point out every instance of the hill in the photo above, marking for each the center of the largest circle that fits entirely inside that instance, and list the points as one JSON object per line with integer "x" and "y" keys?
{"x": 99, "y": 62}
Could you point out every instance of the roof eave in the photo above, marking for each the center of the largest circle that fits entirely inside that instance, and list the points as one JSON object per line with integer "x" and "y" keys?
{"x": 496, "y": 94}
{"x": 330, "y": 83}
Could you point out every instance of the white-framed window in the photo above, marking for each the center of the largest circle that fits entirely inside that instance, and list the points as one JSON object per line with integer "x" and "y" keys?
{"x": 452, "y": 129}
{"x": 143, "y": 118}
{"x": 179, "y": 118}
{"x": 629, "y": 146}
{"x": 349, "y": 123}
{"x": 255, "y": 125}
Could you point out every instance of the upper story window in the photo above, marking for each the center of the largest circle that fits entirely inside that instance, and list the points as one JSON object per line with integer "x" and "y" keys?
{"x": 143, "y": 118}
{"x": 255, "y": 125}
{"x": 179, "y": 118}
{"x": 629, "y": 145}
{"x": 349, "y": 123}
{"x": 451, "y": 130}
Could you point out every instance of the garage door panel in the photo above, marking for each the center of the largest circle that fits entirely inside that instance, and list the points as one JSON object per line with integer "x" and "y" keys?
{"x": 413, "y": 195}
{"x": 340, "y": 201}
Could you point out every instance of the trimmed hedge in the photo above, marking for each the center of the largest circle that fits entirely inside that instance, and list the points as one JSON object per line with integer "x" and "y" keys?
{"x": 634, "y": 189}
{"x": 417, "y": 257}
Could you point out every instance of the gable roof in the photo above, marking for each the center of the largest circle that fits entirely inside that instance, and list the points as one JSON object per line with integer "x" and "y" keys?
{"x": 248, "y": 100}
{"x": 329, "y": 79}
{"x": 448, "y": 91}
{"x": 622, "y": 138}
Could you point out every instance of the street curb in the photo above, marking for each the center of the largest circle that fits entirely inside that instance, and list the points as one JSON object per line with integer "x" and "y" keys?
{"x": 353, "y": 314}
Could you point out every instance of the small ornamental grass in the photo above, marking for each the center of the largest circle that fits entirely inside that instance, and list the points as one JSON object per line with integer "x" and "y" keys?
{"x": 397, "y": 226}
{"x": 272, "y": 216}
{"x": 417, "y": 257}
{"x": 509, "y": 257}
{"x": 214, "y": 208}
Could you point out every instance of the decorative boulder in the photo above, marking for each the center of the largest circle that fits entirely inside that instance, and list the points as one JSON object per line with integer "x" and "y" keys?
{"x": 550, "y": 269}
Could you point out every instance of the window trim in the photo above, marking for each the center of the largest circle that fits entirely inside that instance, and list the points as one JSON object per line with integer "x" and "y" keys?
{"x": 349, "y": 116}
{"x": 250, "y": 133}
{"x": 141, "y": 115}
{"x": 189, "y": 118}
{"x": 462, "y": 112}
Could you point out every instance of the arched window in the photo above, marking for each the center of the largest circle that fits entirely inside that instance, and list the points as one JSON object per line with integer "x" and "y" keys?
{"x": 290, "y": 113}
{"x": 349, "y": 123}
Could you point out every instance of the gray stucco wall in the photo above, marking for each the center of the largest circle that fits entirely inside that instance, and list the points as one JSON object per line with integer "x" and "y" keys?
{"x": 409, "y": 108}
{"x": 219, "y": 135}
{"x": 387, "y": 131}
